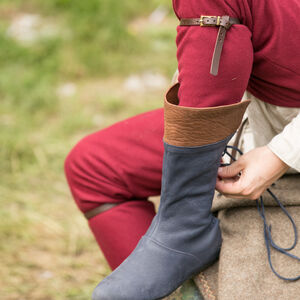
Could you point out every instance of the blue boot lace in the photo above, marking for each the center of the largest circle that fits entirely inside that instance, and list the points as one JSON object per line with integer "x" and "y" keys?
{"x": 267, "y": 228}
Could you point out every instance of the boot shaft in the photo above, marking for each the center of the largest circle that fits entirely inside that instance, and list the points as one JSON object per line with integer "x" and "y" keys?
{"x": 194, "y": 140}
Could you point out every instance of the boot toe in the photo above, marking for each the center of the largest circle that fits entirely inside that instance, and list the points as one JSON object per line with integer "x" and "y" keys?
{"x": 100, "y": 294}
{"x": 149, "y": 273}
{"x": 111, "y": 290}
{"x": 103, "y": 293}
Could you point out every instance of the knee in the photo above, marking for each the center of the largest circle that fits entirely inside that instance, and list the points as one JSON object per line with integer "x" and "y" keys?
{"x": 79, "y": 174}
{"x": 75, "y": 161}
{"x": 93, "y": 174}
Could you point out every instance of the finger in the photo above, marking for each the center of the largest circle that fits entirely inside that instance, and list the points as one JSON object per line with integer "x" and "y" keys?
{"x": 245, "y": 197}
{"x": 229, "y": 186}
{"x": 230, "y": 171}
{"x": 239, "y": 197}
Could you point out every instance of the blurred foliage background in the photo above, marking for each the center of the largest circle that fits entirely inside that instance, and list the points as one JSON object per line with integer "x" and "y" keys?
{"x": 68, "y": 68}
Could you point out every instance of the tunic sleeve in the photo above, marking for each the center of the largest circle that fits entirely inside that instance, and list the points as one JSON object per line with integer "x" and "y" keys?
{"x": 195, "y": 46}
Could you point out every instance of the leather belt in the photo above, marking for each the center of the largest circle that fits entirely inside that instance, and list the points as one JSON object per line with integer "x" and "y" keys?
{"x": 224, "y": 23}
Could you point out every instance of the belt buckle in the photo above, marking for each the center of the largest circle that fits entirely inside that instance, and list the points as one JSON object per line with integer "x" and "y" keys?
{"x": 210, "y": 25}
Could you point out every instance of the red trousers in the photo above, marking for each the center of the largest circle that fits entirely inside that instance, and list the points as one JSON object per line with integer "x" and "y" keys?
{"x": 123, "y": 163}
{"x": 119, "y": 164}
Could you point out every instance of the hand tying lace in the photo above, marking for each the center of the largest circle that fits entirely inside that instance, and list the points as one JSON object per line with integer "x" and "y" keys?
{"x": 250, "y": 175}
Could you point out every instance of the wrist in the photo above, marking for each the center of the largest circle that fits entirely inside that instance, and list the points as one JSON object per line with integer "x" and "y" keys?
{"x": 277, "y": 161}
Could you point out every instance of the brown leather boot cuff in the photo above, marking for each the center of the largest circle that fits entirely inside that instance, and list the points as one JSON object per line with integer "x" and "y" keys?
{"x": 188, "y": 127}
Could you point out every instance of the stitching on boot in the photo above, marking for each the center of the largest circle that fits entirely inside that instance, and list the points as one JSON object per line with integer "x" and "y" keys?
{"x": 173, "y": 250}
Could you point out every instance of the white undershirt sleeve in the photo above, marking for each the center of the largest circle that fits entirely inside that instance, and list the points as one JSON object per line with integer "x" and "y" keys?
{"x": 286, "y": 145}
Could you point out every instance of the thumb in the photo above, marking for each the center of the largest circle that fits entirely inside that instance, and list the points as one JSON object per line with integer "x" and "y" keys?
{"x": 230, "y": 171}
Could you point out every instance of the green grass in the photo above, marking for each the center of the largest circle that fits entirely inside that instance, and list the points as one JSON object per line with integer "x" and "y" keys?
{"x": 46, "y": 249}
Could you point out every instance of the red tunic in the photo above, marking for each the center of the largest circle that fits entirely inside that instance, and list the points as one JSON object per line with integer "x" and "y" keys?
{"x": 261, "y": 55}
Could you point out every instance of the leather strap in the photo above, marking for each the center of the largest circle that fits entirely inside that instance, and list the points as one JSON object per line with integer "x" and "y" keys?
{"x": 237, "y": 140}
{"x": 99, "y": 209}
{"x": 224, "y": 23}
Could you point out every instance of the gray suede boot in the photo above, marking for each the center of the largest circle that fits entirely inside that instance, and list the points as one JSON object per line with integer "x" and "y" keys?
{"x": 184, "y": 237}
